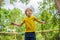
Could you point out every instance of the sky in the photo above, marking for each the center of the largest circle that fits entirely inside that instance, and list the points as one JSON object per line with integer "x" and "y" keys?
{"x": 34, "y": 4}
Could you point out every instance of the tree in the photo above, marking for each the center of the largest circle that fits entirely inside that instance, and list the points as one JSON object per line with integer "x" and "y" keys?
{"x": 57, "y": 2}
{"x": 0, "y": 3}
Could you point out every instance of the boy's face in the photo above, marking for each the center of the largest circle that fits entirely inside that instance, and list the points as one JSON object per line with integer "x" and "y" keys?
{"x": 28, "y": 12}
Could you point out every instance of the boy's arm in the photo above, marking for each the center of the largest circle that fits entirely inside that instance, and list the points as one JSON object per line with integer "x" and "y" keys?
{"x": 39, "y": 21}
{"x": 17, "y": 24}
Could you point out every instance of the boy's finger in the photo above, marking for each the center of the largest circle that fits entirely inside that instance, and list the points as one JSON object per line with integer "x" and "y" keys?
{"x": 46, "y": 22}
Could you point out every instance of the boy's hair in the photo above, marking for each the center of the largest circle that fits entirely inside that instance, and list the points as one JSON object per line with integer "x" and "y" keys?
{"x": 27, "y": 9}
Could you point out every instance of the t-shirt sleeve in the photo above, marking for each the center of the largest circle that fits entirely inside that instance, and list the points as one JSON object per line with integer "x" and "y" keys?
{"x": 35, "y": 18}
{"x": 23, "y": 20}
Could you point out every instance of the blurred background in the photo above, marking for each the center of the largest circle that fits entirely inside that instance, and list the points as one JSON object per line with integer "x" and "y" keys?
{"x": 13, "y": 11}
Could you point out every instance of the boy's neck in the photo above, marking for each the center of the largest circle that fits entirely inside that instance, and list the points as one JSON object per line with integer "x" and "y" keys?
{"x": 28, "y": 16}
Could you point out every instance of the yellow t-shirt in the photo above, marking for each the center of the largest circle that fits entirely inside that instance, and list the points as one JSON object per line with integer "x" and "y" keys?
{"x": 29, "y": 22}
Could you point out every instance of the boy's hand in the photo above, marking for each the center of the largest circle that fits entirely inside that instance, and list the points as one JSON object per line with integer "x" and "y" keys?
{"x": 45, "y": 22}
{"x": 13, "y": 23}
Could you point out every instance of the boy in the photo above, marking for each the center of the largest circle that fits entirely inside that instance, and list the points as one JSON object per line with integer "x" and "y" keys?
{"x": 30, "y": 27}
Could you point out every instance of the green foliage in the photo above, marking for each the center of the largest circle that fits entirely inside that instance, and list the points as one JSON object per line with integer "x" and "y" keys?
{"x": 11, "y": 1}
{"x": 23, "y": 1}
{"x": 46, "y": 14}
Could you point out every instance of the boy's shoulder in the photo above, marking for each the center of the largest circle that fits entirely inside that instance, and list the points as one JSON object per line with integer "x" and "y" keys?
{"x": 31, "y": 17}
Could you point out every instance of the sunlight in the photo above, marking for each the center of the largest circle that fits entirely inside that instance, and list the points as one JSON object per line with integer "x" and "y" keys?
{"x": 34, "y": 4}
